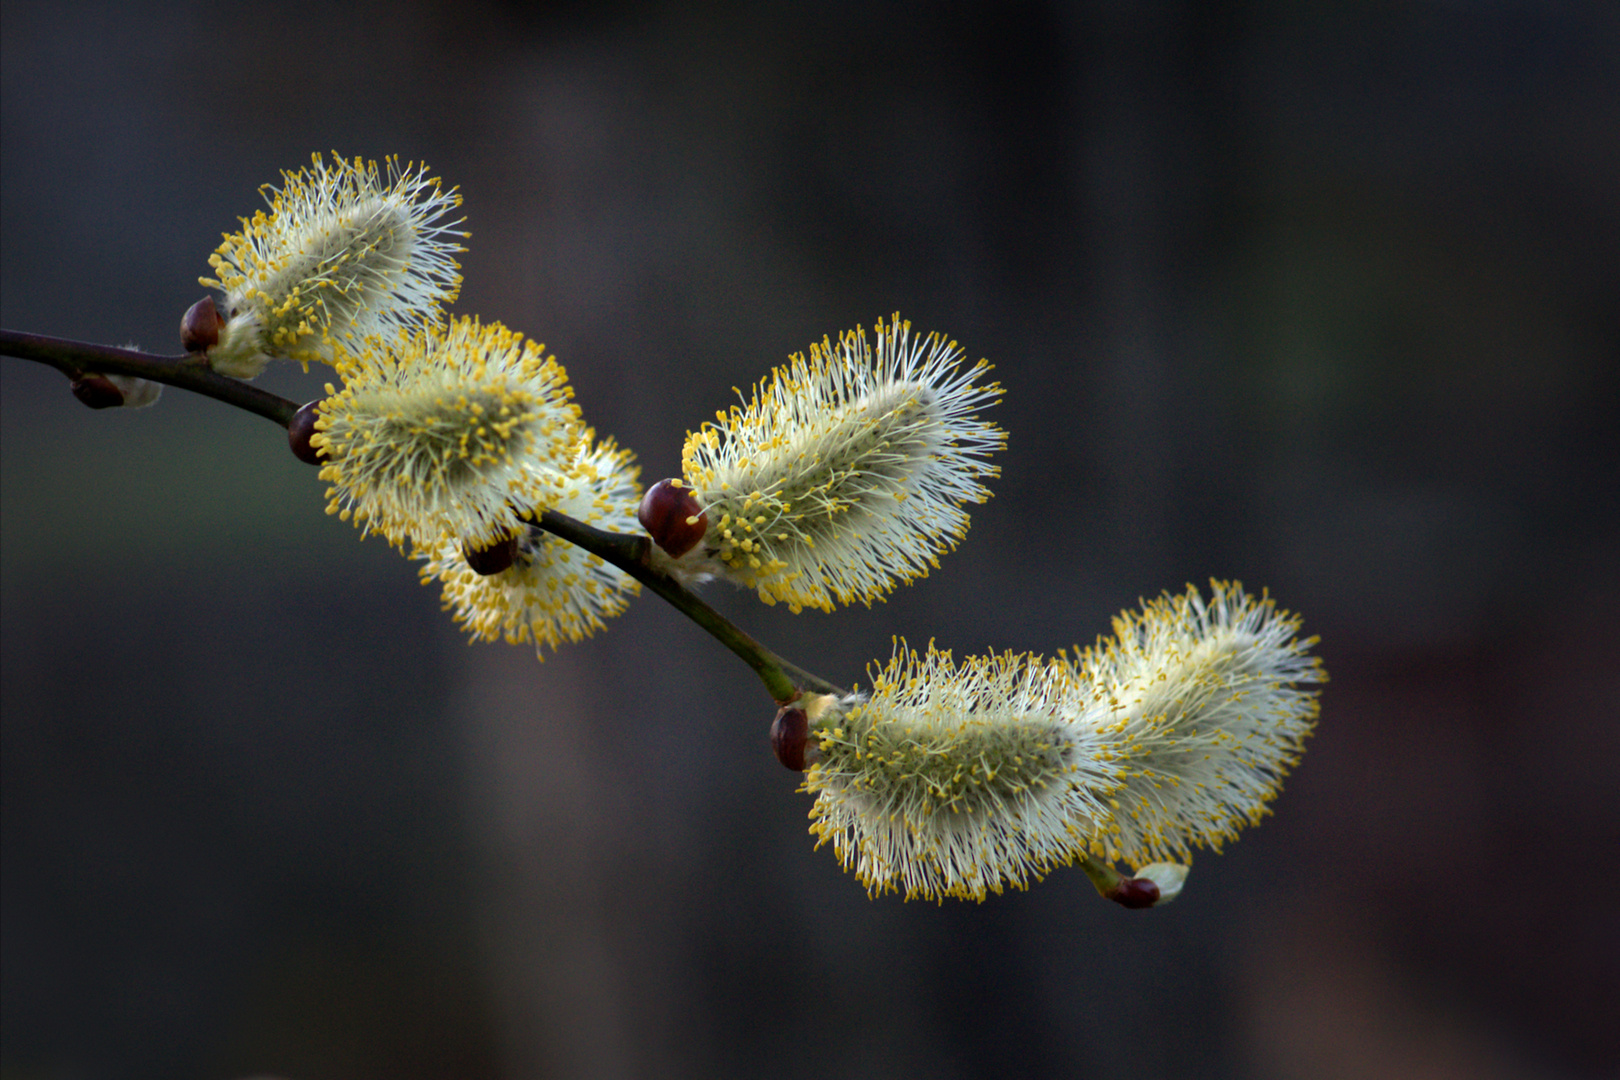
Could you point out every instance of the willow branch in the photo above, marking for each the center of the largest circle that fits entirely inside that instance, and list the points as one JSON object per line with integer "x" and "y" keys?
{"x": 188, "y": 371}
{"x": 783, "y": 680}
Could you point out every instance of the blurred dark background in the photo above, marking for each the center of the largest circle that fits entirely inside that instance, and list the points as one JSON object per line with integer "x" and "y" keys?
{"x": 1321, "y": 297}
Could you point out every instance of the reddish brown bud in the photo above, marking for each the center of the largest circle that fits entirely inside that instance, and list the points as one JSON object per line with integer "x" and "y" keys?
{"x": 673, "y": 517}
{"x": 1135, "y": 893}
{"x": 492, "y": 559}
{"x": 299, "y": 432}
{"x": 199, "y": 328}
{"x": 97, "y": 391}
{"x": 790, "y": 732}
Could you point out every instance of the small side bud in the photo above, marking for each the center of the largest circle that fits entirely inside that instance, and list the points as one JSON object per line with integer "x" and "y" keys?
{"x": 299, "y": 432}
{"x": 199, "y": 328}
{"x": 790, "y": 732}
{"x": 1154, "y": 885}
{"x": 98, "y": 392}
{"x": 673, "y": 517}
{"x": 491, "y": 560}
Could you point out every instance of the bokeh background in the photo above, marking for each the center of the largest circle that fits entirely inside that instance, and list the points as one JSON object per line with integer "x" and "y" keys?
{"x": 1321, "y": 297}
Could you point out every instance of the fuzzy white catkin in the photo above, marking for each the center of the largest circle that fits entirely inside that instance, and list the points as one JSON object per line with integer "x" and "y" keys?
{"x": 347, "y": 252}
{"x": 847, "y": 471}
{"x": 956, "y": 780}
{"x": 1210, "y": 704}
{"x": 448, "y": 433}
{"x": 553, "y": 591}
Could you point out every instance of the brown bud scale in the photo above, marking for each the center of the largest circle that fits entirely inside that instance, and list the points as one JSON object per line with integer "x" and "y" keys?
{"x": 199, "y": 328}
{"x": 492, "y": 559}
{"x": 1135, "y": 893}
{"x": 299, "y": 432}
{"x": 98, "y": 392}
{"x": 673, "y": 517}
{"x": 790, "y": 732}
